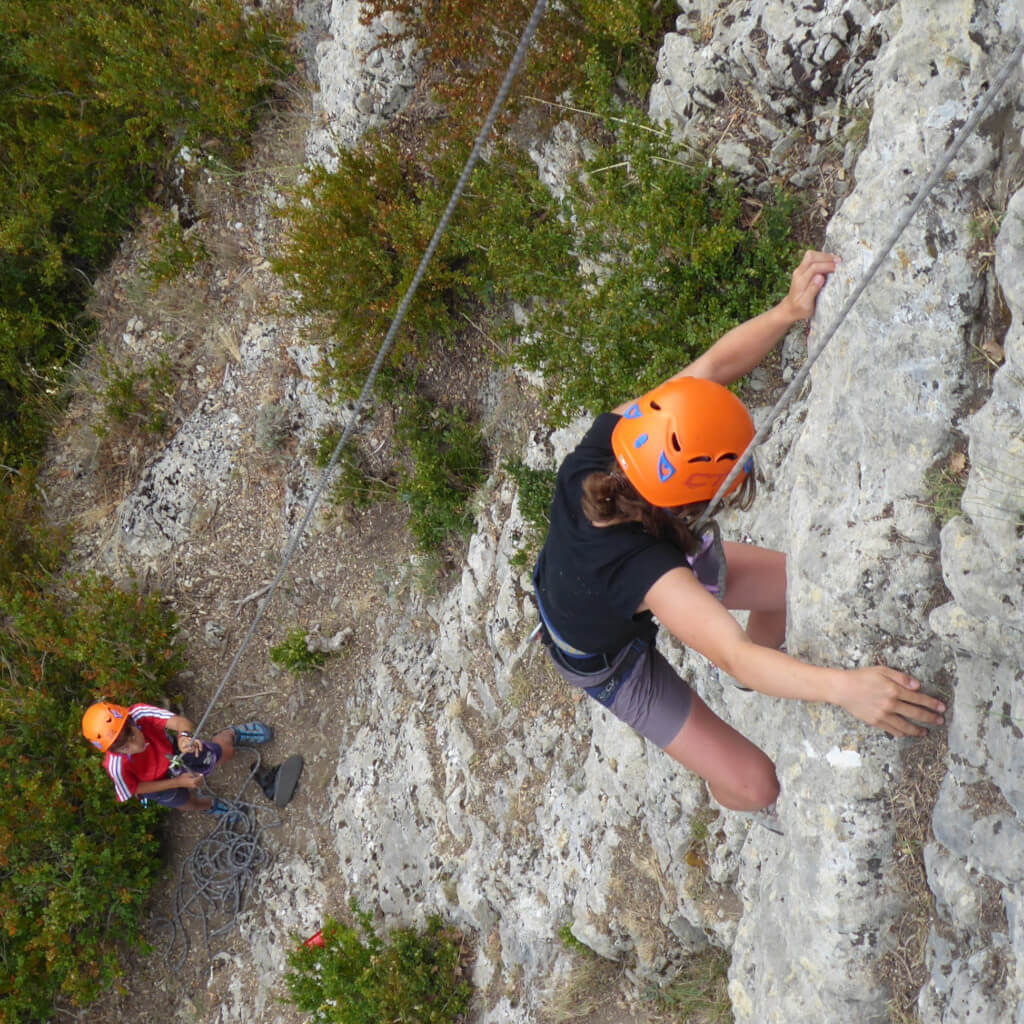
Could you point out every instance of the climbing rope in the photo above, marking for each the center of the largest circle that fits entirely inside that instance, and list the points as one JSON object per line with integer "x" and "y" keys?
{"x": 385, "y": 348}
{"x": 940, "y": 169}
{"x": 217, "y": 873}
{"x": 221, "y": 865}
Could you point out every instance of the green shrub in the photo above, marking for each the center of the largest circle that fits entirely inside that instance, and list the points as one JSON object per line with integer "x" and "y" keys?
{"x": 293, "y": 653}
{"x": 354, "y": 485}
{"x": 446, "y": 456}
{"x": 582, "y": 47}
{"x": 356, "y": 236}
{"x": 672, "y": 258}
{"x": 355, "y": 978}
{"x": 571, "y": 943}
{"x": 536, "y": 492}
{"x": 137, "y": 396}
{"x": 96, "y": 97}
{"x": 174, "y": 254}
{"x": 75, "y": 870}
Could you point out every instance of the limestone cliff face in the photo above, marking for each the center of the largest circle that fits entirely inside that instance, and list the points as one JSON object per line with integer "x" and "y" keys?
{"x": 515, "y": 812}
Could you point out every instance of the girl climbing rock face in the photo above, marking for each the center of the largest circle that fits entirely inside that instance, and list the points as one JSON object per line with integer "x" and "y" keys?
{"x": 621, "y": 556}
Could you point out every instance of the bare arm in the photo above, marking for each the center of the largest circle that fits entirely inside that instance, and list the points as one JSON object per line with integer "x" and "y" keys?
{"x": 179, "y": 725}
{"x": 738, "y": 351}
{"x": 188, "y": 780}
{"x": 880, "y": 696}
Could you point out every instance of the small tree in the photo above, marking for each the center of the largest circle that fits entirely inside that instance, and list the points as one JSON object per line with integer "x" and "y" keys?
{"x": 358, "y": 978}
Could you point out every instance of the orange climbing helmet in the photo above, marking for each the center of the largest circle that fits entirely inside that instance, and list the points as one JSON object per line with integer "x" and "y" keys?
{"x": 678, "y": 442}
{"x": 102, "y": 724}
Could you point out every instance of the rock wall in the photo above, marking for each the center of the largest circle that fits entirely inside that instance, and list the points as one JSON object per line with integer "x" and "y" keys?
{"x": 463, "y": 787}
{"x": 975, "y": 866}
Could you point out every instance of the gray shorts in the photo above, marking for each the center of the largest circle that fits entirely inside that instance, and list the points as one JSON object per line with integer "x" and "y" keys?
{"x": 653, "y": 698}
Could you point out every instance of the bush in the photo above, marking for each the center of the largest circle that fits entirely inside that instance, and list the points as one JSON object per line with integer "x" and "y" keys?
{"x": 75, "y": 870}
{"x": 413, "y": 977}
{"x": 356, "y": 236}
{"x": 446, "y": 455}
{"x": 536, "y": 492}
{"x": 354, "y": 484}
{"x": 142, "y": 397}
{"x": 672, "y": 256}
{"x": 96, "y": 97}
{"x": 583, "y": 46}
{"x": 293, "y": 653}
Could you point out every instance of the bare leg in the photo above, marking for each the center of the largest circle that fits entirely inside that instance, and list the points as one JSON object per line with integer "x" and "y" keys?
{"x": 197, "y": 803}
{"x": 756, "y": 581}
{"x": 739, "y": 775}
{"x": 226, "y": 739}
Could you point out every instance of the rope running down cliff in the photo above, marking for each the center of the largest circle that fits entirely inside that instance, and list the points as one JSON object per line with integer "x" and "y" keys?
{"x": 385, "y": 348}
{"x": 940, "y": 169}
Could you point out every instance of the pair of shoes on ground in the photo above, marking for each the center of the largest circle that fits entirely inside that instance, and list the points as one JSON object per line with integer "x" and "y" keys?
{"x": 252, "y": 734}
{"x": 278, "y": 782}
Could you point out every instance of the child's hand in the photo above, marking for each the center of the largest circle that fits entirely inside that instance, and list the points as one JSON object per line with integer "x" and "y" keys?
{"x": 808, "y": 279}
{"x": 188, "y": 744}
{"x": 889, "y": 700}
{"x": 190, "y": 780}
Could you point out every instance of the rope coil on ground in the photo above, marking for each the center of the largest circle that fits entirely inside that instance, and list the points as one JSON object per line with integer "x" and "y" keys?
{"x": 218, "y": 871}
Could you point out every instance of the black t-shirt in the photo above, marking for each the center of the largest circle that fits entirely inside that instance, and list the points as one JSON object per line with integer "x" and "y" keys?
{"x": 591, "y": 579}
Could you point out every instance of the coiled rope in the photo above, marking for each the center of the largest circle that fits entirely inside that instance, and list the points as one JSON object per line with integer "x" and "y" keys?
{"x": 968, "y": 129}
{"x": 221, "y": 865}
{"x": 217, "y": 873}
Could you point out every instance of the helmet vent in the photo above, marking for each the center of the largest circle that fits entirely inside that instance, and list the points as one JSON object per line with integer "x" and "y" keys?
{"x": 655, "y": 406}
{"x": 700, "y": 458}
{"x": 675, "y": 442}
{"x": 727, "y": 457}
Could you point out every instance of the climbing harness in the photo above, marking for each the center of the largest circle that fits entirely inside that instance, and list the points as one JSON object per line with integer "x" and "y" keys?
{"x": 904, "y": 219}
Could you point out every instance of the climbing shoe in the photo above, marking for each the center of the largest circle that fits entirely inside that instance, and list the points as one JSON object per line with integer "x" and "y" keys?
{"x": 278, "y": 783}
{"x": 222, "y": 809}
{"x": 252, "y": 734}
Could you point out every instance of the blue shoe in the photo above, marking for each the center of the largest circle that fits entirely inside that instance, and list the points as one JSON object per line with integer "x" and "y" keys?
{"x": 252, "y": 734}
{"x": 222, "y": 809}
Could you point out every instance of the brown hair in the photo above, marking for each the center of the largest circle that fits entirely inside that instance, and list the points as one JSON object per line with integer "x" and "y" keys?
{"x": 609, "y": 496}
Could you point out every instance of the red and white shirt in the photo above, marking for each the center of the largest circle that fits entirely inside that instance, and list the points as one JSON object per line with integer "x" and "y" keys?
{"x": 151, "y": 763}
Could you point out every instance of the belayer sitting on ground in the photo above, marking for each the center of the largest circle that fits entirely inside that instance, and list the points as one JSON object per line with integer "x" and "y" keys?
{"x": 140, "y": 753}
{"x": 620, "y": 552}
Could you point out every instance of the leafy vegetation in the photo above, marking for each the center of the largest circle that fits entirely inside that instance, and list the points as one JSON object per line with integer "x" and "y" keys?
{"x": 536, "y": 492}
{"x": 293, "y": 653}
{"x": 585, "y": 46}
{"x": 672, "y": 256}
{"x": 96, "y": 96}
{"x": 356, "y": 236}
{"x": 356, "y": 977}
{"x": 140, "y": 397}
{"x": 75, "y": 871}
{"x": 176, "y": 252}
{"x": 447, "y": 463}
{"x": 354, "y": 484}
